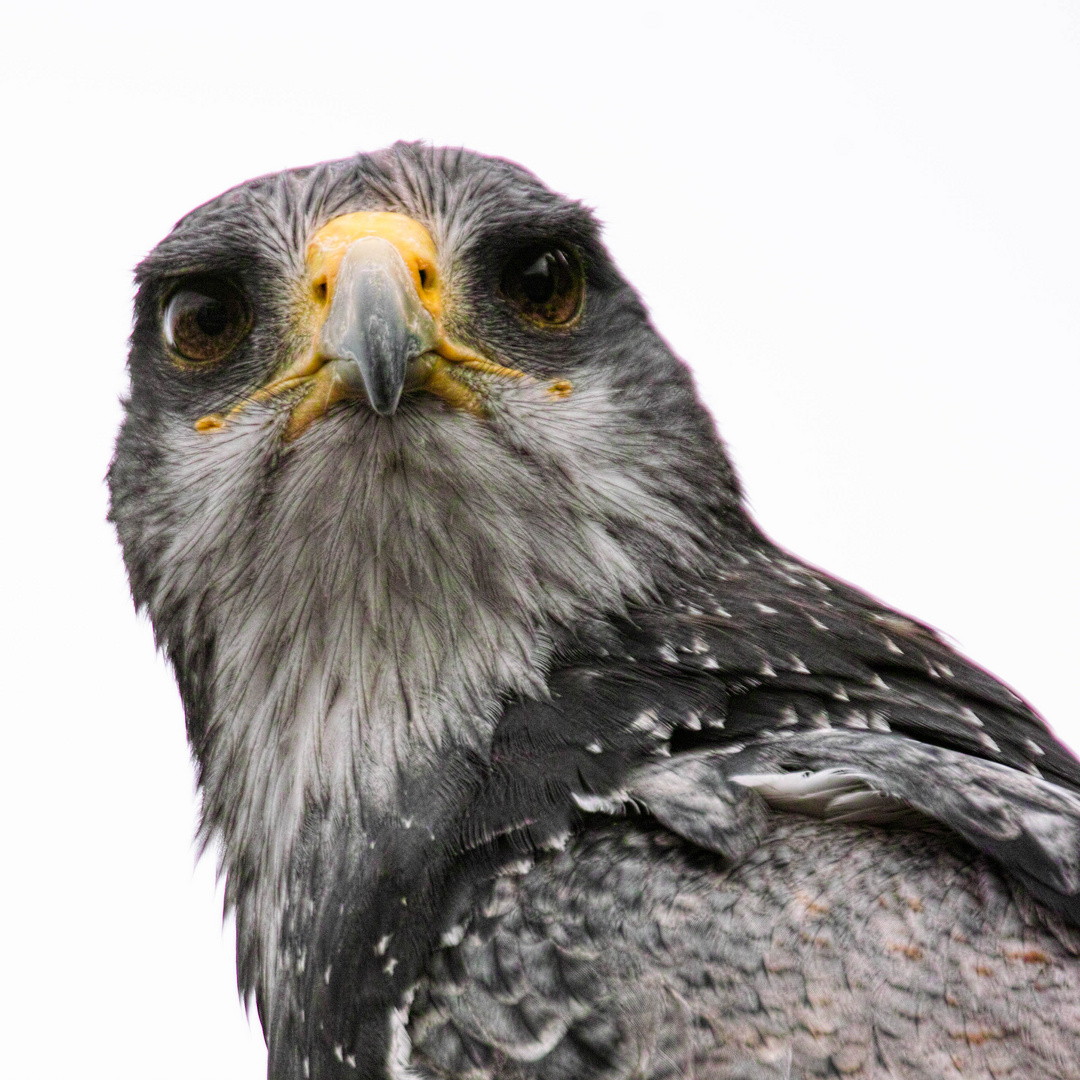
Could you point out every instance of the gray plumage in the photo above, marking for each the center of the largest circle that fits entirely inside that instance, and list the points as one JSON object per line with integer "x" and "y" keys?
{"x": 529, "y": 755}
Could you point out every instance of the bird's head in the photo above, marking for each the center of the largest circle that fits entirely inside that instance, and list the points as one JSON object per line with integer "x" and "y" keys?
{"x": 413, "y": 307}
{"x": 411, "y": 282}
{"x": 396, "y": 422}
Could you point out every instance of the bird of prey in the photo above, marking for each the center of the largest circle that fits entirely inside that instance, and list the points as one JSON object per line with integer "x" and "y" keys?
{"x": 528, "y": 754}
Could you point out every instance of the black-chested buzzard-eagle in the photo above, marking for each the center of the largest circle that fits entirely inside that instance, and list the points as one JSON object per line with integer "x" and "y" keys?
{"x": 528, "y": 754}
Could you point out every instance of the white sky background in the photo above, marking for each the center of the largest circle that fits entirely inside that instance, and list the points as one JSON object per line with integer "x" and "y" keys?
{"x": 858, "y": 222}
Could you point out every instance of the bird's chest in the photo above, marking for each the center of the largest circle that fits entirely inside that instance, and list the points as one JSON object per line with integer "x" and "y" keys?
{"x": 331, "y": 706}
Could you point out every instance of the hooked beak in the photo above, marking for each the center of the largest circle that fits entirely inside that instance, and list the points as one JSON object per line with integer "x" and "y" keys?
{"x": 376, "y": 326}
{"x": 376, "y": 303}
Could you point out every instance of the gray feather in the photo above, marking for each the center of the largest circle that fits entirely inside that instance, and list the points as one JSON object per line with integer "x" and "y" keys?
{"x": 529, "y": 755}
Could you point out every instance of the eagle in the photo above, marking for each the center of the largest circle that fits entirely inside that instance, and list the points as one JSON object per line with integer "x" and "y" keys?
{"x": 527, "y": 754}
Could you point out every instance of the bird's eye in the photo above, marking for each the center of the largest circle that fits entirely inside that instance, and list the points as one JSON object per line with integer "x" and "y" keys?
{"x": 545, "y": 283}
{"x": 205, "y": 319}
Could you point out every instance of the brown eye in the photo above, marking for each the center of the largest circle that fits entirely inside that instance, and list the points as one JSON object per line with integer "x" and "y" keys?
{"x": 545, "y": 283}
{"x": 205, "y": 319}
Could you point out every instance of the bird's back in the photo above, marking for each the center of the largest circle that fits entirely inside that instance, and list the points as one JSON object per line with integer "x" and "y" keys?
{"x": 828, "y": 950}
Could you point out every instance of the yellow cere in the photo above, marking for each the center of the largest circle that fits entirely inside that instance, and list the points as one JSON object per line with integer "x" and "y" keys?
{"x": 412, "y": 240}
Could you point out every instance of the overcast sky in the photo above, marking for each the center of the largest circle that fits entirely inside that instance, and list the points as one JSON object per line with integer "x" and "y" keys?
{"x": 859, "y": 223}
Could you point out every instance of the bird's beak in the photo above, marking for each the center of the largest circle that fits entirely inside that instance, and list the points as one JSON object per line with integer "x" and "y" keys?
{"x": 376, "y": 327}
{"x": 375, "y": 305}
